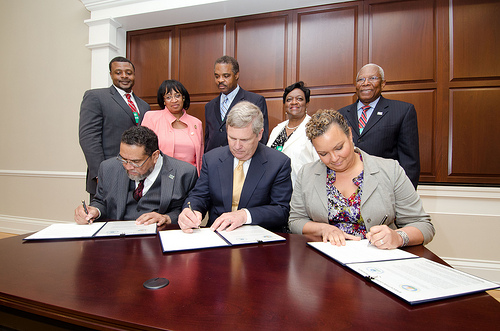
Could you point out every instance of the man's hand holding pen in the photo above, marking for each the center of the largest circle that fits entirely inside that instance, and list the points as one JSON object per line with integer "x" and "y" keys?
{"x": 85, "y": 214}
{"x": 189, "y": 219}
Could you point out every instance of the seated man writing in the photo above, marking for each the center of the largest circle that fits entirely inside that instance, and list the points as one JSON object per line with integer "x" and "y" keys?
{"x": 140, "y": 184}
{"x": 245, "y": 182}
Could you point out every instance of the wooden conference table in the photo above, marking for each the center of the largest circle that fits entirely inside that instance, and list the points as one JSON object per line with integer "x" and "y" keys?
{"x": 98, "y": 284}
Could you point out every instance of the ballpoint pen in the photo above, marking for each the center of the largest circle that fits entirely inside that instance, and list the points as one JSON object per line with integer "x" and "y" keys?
{"x": 189, "y": 205}
{"x": 86, "y": 210}
{"x": 383, "y": 221}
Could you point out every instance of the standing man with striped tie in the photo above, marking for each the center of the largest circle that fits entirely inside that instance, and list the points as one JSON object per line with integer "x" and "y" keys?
{"x": 105, "y": 114}
{"x": 226, "y": 74}
{"x": 383, "y": 127}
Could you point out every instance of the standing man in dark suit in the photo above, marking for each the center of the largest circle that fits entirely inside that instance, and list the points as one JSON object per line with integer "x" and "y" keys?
{"x": 140, "y": 183}
{"x": 243, "y": 183}
{"x": 383, "y": 127}
{"x": 227, "y": 73}
{"x": 105, "y": 113}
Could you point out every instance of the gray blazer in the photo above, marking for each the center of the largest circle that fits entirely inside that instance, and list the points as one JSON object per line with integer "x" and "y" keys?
{"x": 104, "y": 115}
{"x": 177, "y": 179}
{"x": 386, "y": 191}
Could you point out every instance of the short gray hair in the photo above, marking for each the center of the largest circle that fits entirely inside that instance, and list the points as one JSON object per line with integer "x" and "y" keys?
{"x": 379, "y": 68}
{"x": 244, "y": 113}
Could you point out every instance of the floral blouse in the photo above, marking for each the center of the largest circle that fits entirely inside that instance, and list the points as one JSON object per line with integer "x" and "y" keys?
{"x": 344, "y": 212}
{"x": 280, "y": 140}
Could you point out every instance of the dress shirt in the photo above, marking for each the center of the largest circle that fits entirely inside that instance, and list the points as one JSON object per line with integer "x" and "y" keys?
{"x": 148, "y": 182}
{"x": 369, "y": 112}
{"x": 124, "y": 96}
{"x": 230, "y": 98}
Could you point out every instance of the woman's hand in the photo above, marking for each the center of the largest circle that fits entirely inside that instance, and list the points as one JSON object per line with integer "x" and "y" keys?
{"x": 383, "y": 237}
{"x": 335, "y": 236}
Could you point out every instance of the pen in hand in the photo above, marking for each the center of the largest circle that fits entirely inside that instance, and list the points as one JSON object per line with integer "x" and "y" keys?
{"x": 86, "y": 210}
{"x": 383, "y": 221}
{"x": 189, "y": 205}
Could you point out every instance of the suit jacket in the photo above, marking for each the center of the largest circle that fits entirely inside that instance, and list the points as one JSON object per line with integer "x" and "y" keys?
{"x": 177, "y": 179}
{"x": 104, "y": 115}
{"x": 265, "y": 194}
{"x": 298, "y": 147}
{"x": 391, "y": 132}
{"x": 215, "y": 127}
{"x": 386, "y": 191}
{"x": 161, "y": 123}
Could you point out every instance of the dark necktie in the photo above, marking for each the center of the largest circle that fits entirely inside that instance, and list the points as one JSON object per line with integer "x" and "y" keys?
{"x": 138, "y": 190}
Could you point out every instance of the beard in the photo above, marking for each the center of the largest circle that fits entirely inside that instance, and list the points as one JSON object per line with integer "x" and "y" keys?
{"x": 138, "y": 178}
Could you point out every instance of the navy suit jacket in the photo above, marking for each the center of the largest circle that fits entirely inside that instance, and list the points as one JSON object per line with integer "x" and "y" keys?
{"x": 391, "y": 132}
{"x": 266, "y": 191}
{"x": 215, "y": 127}
{"x": 177, "y": 179}
{"x": 104, "y": 115}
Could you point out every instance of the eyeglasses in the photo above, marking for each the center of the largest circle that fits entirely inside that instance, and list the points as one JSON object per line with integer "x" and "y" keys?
{"x": 371, "y": 79}
{"x": 133, "y": 164}
{"x": 290, "y": 99}
{"x": 169, "y": 97}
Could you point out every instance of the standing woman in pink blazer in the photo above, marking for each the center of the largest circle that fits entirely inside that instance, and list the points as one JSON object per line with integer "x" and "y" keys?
{"x": 180, "y": 135}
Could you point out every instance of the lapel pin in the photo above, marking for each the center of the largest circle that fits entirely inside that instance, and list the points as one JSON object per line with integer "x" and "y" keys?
{"x": 379, "y": 113}
{"x": 171, "y": 176}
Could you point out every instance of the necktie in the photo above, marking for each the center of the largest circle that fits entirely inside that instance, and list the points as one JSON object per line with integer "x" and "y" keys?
{"x": 238, "y": 180}
{"x": 133, "y": 107}
{"x": 362, "y": 118}
{"x": 138, "y": 190}
{"x": 225, "y": 105}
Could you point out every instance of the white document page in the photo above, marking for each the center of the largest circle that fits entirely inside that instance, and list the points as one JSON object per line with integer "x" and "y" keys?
{"x": 125, "y": 228}
{"x": 359, "y": 251}
{"x": 67, "y": 231}
{"x": 250, "y": 234}
{"x": 176, "y": 240}
{"x": 420, "y": 280}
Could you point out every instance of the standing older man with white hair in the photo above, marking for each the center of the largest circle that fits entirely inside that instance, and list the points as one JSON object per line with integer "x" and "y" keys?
{"x": 383, "y": 127}
{"x": 245, "y": 182}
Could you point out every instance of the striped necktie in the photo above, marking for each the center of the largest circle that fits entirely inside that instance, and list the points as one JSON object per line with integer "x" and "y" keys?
{"x": 133, "y": 107}
{"x": 363, "y": 119}
{"x": 223, "y": 111}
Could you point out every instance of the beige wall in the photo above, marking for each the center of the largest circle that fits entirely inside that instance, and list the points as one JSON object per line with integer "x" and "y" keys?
{"x": 45, "y": 69}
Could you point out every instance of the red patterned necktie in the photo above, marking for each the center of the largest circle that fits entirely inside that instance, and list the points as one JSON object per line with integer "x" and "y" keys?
{"x": 133, "y": 107}
{"x": 138, "y": 191}
{"x": 362, "y": 118}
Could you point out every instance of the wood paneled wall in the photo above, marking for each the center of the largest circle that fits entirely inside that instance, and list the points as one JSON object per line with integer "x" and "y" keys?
{"x": 440, "y": 55}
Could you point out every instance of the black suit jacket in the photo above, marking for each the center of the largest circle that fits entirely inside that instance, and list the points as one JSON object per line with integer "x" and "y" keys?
{"x": 215, "y": 127}
{"x": 391, "y": 132}
{"x": 266, "y": 192}
{"x": 104, "y": 115}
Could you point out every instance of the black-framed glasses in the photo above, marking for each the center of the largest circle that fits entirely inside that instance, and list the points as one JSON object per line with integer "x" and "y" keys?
{"x": 371, "y": 79}
{"x": 133, "y": 164}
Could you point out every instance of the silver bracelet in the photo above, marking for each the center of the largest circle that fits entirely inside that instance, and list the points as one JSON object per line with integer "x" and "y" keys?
{"x": 405, "y": 238}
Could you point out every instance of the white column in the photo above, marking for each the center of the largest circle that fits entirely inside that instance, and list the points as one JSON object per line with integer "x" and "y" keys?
{"x": 107, "y": 39}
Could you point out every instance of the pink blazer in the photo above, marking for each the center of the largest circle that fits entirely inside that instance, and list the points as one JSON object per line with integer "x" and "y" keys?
{"x": 160, "y": 122}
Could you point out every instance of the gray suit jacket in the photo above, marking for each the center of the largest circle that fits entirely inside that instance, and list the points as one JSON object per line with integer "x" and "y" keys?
{"x": 386, "y": 191}
{"x": 177, "y": 179}
{"x": 104, "y": 115}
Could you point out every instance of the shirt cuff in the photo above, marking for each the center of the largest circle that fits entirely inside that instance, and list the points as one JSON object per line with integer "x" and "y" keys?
{"x": 249, "y": 216}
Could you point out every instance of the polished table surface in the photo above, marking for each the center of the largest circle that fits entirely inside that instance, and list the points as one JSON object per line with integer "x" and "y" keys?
{"x": 98, "y": 283}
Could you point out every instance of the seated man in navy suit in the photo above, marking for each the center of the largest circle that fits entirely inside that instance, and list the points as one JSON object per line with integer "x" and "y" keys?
{"x": 245, "y": 182}
{"x": 140, "y": 184}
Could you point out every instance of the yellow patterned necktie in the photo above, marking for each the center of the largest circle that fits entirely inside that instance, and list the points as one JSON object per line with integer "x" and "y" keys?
{"x": 238, "y": 180}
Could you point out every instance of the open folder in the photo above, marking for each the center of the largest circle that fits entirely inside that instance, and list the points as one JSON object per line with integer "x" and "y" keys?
{"x": 414, "y": 279}
{"x": 176, "y": 240}
{"x": 96, "y": 229}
